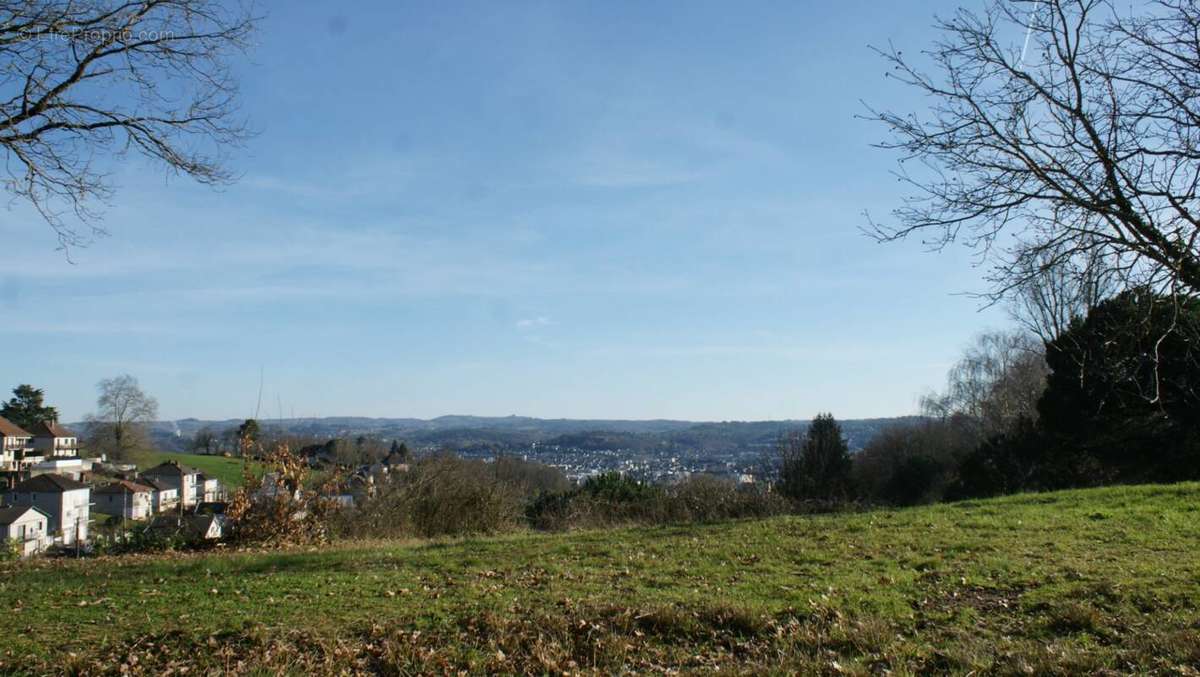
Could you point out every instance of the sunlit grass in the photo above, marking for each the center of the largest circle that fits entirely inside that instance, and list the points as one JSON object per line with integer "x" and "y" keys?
{"x": 228, "y": 470}
{"x": 1067, "y": 582}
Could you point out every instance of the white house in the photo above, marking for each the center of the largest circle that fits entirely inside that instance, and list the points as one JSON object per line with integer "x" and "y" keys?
{"x": 164, "y": 496}
{"x": 208, "y": 489}
{"x": 126, "y": 499}
{"x": 65, "y": 502}
{"x": 183, "y": 478}
{"x": 25, "y": 527}
{"x": 51, "y": 439}
{"x": 15, "y": 444}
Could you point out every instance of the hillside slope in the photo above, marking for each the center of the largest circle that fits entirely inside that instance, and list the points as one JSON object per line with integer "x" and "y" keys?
{"x": 1053, "y": 583}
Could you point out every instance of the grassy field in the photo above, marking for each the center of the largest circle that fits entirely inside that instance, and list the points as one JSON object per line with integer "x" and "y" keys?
{"x": 1085, "y": 581}
{"x": 228, "y": 470}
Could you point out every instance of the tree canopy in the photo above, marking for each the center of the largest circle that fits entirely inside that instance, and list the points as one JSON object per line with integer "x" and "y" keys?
{"x": 1125, "y": 385}
{"x": 27, "y": 407}
{"x": 123, "y": 410}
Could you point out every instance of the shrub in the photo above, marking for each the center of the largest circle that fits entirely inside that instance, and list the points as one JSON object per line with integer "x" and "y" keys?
{"x": 531, "y": 477}
{"x": 611, "y": 499}
{"x": 614, "y": 486}
{"x": 915, "y": 463}
{"x": 277, "y": 507}
{"x": 440, "y": 495}
{"x": 10, "y": 549}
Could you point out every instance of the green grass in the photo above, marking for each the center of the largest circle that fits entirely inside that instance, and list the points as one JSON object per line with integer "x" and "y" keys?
{"x": 228, "y": 470}
{"x": 1062, "y": 583}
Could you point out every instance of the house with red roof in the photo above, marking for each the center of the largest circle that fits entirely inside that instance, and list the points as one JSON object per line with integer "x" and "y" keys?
{"x": 51, "y": 439}
{"x": 16, "y": 444}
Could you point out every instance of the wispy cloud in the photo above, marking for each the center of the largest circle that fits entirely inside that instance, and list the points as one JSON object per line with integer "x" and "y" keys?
{"x": 357, "y": 177}
{"x": 649, "y": 154}
{"x": 535, "y": 322}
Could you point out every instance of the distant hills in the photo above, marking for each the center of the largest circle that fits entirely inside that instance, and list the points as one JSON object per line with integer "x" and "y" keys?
{"x": 516, "y": 433}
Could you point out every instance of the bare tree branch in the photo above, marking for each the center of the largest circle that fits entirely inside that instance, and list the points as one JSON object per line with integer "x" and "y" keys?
{"x": 80, "y": 79}
{"x": 1086, "y": 147}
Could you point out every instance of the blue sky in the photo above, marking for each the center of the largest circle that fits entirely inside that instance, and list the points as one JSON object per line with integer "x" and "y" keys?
{"x": 557, "y": 209}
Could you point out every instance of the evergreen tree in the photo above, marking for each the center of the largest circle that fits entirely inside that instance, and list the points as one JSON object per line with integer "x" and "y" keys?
{"x": 399, "y": 452}
{"x": 1124, "y": 388}
{"x": 816, "y": 466}
{"x": 27, "y": 407}
{"x": 248, "y": 433}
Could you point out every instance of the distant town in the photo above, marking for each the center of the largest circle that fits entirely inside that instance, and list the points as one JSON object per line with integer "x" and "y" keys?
{"x": 649, "y": 450}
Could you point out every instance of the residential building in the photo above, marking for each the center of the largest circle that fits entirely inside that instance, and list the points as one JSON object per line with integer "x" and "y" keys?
{"x": 124, "y": 498}
{"x": 164, "y": 497}
{"x": 16, "y": 444}
{"x": 183, "y": 478}
{"x": 25, "y": 528}
{"x": 208, "y": 489}
{"x": 65, "y": 502}
{"x": 51, "y": 439}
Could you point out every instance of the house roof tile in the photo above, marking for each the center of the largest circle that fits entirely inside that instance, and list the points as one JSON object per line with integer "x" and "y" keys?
{"x": 49, "y": 483}
{"x": 10, "y": 514}
{"x": 156, "y": 484}
{"x": 50, "y": 429}
{"x": 10, "y": 429}
{"x": 125, "y": 487}
{"x": 170, "y": 469}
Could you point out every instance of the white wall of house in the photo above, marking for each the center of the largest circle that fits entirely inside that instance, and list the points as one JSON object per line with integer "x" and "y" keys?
{"x": 188, "y": 490}
{"x": 164, "y": 499}
{"x": 72, "y": 467}
{"x": 11, "y": 450}
{"x": 185, "y": 485}
{"x": 209, "y": 490}
{"x": 28, "y": 533}
{"x": 76, "y": 515}
{"x": 57, "y": 446}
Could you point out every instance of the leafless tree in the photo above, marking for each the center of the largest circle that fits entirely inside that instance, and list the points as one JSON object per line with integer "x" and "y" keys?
{"x": 205, "y": 441}
{"x": 1059, "y": 129}
{"x": 997, "y": 381}
{"x": 82, "y": 78}
{"x": 123, "y": 410}
{"x": 1054, "y": 292}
